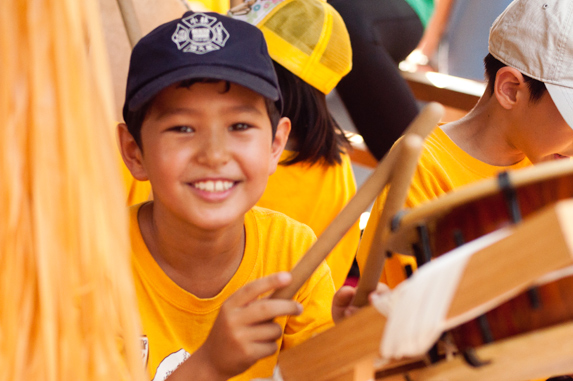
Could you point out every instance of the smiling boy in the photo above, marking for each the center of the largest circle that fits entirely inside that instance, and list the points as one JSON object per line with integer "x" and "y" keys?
{"x": 203, "y": 125}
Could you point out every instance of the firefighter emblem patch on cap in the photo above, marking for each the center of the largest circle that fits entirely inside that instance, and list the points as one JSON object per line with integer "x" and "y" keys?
{"x": 199, "y": 34}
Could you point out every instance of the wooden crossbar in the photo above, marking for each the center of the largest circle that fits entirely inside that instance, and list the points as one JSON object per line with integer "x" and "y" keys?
{"x": 454, "y": 92}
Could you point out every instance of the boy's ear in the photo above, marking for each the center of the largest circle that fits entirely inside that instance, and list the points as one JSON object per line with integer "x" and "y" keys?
{"x": 279, "y": 142}
{"x": 510, "y": 87}
{"x": 131, "y": 153}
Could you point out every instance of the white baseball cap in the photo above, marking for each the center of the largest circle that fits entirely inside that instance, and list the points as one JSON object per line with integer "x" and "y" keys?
{"x": 536, "y": 38}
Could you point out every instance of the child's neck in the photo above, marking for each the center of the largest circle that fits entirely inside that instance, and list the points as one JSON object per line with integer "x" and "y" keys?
{"x": 199, "y": 261}
{"x": 485, "y": 133}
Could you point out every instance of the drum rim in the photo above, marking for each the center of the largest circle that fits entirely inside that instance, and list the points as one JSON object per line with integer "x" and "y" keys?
{"x": 410, "y": 219}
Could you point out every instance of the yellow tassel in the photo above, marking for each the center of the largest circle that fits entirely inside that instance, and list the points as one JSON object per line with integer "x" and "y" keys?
{"x": 67, "y": 304}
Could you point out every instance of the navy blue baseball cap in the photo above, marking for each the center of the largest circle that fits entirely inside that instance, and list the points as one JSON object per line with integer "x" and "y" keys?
{"x": 200, "y": 45}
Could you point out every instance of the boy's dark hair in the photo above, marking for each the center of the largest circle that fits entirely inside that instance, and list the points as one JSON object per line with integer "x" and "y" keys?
{"x": 134, "y": 119}
{"x": 492, "y": 66}
{"x": 315, "y": 133}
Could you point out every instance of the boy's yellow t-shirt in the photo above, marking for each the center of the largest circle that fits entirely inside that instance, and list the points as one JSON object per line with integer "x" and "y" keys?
{"x": 443, "y": 167}
{"x": 314, "y": 195}
{"x": 176, "y": 323}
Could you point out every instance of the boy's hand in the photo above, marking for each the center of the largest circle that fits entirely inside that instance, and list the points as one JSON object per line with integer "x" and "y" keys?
{"x": 342, "y": 302}
{"x": 244, "y": 330}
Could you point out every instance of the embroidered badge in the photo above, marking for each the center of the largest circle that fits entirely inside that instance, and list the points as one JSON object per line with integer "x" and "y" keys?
{"x": 198, "y": 35}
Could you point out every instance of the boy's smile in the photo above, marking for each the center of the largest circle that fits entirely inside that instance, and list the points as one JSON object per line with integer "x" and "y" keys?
{"x": 208, "y": 152}
{"x": 214, "y": 185}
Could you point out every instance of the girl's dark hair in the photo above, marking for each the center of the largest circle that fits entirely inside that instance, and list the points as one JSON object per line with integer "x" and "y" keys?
{"x": 492, "y": 66}
{"x": 134, "y": 119}
{"x": 314, "y": 132}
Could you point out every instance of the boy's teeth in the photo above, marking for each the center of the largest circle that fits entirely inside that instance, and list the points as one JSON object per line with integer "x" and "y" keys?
{"x": 214, "y": 186}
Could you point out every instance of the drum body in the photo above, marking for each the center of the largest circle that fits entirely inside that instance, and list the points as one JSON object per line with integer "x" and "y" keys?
{"x": 492, "y": 212}
{"x": 521, "y": 314}
{"x": 541, "y": 307}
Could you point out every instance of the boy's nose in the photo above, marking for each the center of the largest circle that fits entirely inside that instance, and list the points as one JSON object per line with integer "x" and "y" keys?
{"x": 213, "y": 150}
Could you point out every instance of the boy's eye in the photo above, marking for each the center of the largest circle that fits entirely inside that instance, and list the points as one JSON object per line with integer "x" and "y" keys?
{"x": 184, "y": 129}
{"x": 240, "y": 127}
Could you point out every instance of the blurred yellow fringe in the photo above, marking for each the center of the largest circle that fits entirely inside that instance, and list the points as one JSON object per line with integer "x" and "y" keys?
{"x": 67, "y": 304}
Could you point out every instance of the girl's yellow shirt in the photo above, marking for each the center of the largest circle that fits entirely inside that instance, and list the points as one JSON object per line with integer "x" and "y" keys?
{"x": 314, "y": 195}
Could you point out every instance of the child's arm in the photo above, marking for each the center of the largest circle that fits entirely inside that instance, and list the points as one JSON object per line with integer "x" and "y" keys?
{"x": 243, "y": 333}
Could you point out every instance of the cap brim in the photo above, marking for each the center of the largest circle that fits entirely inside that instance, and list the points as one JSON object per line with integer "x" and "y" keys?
{"x": 248, "y": 80}
{"x": 563, "y": 98}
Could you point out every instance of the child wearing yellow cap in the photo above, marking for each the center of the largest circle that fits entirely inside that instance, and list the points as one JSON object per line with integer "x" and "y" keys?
{"x": 314, "y": 179}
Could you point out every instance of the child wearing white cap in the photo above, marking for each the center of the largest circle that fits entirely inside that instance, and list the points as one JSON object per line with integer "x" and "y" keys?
{"x": 524, "y": 117}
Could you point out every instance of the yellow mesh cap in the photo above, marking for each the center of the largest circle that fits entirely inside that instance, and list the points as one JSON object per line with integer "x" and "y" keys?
{"x": 307, "y": 37}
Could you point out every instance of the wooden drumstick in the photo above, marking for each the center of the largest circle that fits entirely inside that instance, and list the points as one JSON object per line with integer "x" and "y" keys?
{"x": 409, "y": 155}
{"x": 397, "y": 193}
{"x": 130, "y": 21}
{"x": 339, "y": 226}
{"x": 236, "y": 3}
{"x": 371, "y": 188}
